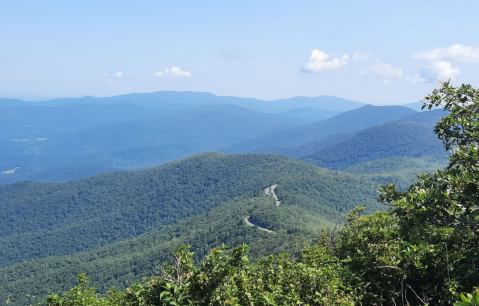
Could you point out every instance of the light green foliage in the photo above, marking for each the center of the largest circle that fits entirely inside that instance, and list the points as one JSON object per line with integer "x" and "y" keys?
{"x": 83, "y": 295}
{"x": 316, "y": 277}
{"x": 469, "y": 299}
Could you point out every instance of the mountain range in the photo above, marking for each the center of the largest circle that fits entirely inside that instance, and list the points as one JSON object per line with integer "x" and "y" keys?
{"x": 67, "y": 139}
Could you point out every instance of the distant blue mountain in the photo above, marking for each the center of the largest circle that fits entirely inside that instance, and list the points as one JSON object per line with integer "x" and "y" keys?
{"x": 325, "y": 103}
{"x": 21, "y": 122}
{"x": 133, "y": 144}
{"x": 411, "y": 136}
{"x": 345, "y": 123}
{"x": 174, "y": 100}
{"x": 13, "y": 102}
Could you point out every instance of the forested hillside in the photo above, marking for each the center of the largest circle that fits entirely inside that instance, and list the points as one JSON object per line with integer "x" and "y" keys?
{"x": 412, "y": 137}
{"x": 46, "y": 219}
{"x": 120, "y": 264}
{"x": 402, "y": 171}
{"x": 126, "y": 221}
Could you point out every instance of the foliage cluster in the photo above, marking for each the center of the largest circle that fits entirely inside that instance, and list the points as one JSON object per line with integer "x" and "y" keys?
{"x": 314, "y": 278}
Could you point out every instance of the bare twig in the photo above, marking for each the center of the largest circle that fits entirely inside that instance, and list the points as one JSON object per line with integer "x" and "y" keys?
{"x": 423, "y": 301}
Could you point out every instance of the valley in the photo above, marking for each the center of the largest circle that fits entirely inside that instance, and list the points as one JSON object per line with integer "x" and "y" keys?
{"x": 239, "y": 153}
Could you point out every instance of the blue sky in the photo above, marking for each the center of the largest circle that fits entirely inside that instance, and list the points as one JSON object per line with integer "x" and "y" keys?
{"x": 379, "y": 52}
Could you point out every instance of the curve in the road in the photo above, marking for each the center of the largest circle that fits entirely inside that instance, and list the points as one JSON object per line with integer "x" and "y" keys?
{"x": 270, "y": 190}
{"x": 248, "y": 222}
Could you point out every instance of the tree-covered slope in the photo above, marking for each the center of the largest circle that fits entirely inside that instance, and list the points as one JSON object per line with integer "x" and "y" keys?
{"x": 400, "y": 170}
{"x": 347, "y": 122}
{"x": 119, "y": 264}
{"x": 46, "y": 219}
{"x": 411, "y": 137}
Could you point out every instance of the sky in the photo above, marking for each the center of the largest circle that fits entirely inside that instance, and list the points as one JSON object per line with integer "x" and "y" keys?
{"x": 378, "y": 52}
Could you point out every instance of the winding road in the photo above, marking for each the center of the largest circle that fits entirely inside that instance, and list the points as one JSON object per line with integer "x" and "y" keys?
{"x": 268, "y": 191}
{"x": 246, "y": 220}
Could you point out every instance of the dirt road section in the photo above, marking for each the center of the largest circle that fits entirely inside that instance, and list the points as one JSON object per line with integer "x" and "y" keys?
{"x": 246, "y": 220}
{"x": 270, "y": 190}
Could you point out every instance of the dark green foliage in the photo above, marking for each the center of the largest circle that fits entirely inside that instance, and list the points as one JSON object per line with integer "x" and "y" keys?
{"x": 121, "y": 263}
{"x": 58, "y": 219}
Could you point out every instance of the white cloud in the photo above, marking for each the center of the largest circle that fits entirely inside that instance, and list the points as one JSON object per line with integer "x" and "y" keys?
{"x": 105, "y": 74}
{"x": 441, "y": 70}
{"x": 319, "y": 61}
{"x": 174, "y": 71}
{"x": 457, "y": 52}
{"x": 383, "y": 70}
{"x": 119, "y": 74}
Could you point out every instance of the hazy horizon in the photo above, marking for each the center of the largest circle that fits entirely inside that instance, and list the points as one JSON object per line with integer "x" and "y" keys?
{"x": 264, "y": 100}
{"x": 372, "y": 52}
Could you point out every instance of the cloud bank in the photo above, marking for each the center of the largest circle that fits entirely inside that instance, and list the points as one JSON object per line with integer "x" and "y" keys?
{"x": 457, "y": 52}
{"x": 440, "y": 66}
{"x": 174, "y": 71}
{"x": 441, "y": 70}
{"x": 319, "y": 62}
